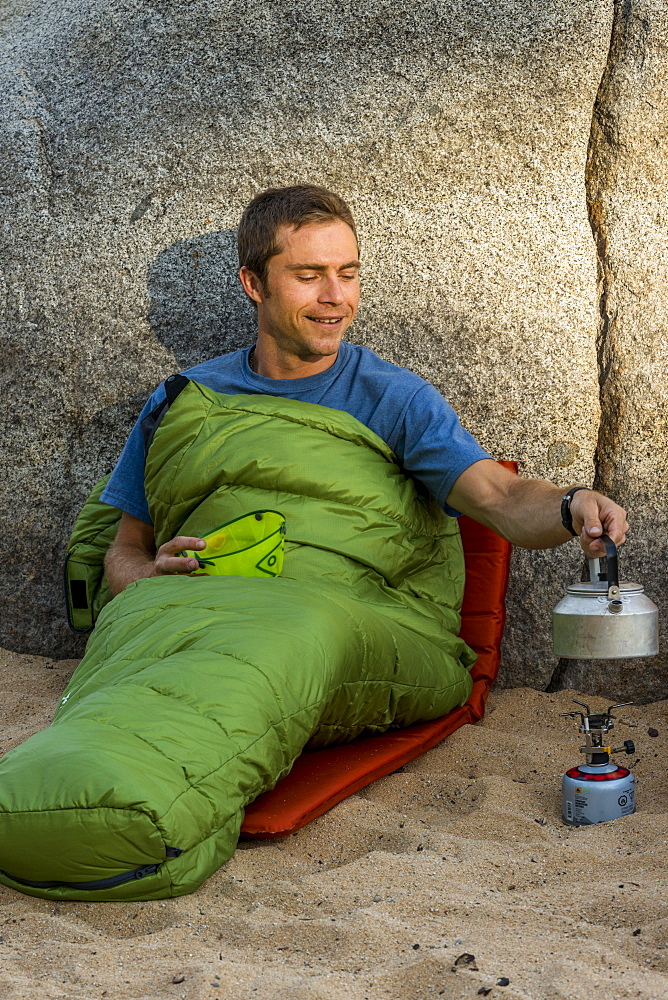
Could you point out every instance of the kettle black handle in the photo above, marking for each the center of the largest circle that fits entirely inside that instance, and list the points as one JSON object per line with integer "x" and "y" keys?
{"x": 611, "y": 556}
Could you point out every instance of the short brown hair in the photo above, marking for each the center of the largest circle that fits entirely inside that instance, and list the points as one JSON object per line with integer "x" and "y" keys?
{"x": 295, "y": 206}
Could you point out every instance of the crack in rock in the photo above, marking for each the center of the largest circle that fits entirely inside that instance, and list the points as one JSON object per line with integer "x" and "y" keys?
{"x": 604, "y": 140}
{"x": 604, "y": 143}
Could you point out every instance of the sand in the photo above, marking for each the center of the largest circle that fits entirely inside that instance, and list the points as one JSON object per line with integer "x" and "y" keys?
{"x": 461, "y": 853}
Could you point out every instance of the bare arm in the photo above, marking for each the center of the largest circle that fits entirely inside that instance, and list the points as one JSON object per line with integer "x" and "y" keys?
{"x": 132, "y": 555}
{"x": 528, "y": 511}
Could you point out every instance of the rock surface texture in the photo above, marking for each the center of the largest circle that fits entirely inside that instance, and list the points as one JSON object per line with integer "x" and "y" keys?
{"x": 627, "y": 190}
{"x": 470, "y": 142}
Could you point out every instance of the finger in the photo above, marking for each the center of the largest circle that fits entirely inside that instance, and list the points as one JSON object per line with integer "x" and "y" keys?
{"x": 617, "y": 535}
{"x": 591, "y": 526}
{"x": 179, "y": 543}
{"x": 615, "y": 525}
{"x": 168, "y": 565}
{"x": 594, "y": 548}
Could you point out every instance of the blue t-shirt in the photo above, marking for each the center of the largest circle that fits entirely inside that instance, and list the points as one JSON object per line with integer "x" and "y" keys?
{"x": 409, "y": 414}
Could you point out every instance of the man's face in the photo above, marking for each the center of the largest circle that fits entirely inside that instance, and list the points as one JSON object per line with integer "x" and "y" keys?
{"x": 311, "y": 291}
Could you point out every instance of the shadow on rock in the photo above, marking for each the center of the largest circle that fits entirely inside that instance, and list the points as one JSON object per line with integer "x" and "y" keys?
{"x": 198, "y": 309}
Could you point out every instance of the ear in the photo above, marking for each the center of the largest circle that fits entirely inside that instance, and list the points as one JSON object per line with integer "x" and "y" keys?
{"x": 251, "y": 284}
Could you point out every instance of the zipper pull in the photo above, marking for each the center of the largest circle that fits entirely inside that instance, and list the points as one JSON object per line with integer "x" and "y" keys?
{"x": 146, "y": 870}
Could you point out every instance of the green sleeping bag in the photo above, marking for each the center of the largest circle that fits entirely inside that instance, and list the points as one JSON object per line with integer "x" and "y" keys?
{"x": 198, "y": 693}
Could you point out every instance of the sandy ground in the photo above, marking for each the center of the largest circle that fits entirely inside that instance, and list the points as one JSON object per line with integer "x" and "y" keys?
{"x": 461, "y": 853}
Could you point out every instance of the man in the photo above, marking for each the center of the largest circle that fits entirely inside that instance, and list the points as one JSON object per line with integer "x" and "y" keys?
{"x": 194, "y": 698}
{"x": 300, "y": 266}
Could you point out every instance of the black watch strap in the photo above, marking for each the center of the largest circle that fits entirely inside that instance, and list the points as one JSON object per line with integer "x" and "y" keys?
{"x": 566, "y": 516}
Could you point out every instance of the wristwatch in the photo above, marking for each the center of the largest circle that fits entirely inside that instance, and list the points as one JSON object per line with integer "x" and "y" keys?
{"x": 566, "y": 516}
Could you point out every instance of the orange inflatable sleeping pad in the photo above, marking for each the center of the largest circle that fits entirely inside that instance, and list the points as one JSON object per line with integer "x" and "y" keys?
{"x": 321, "y": 778}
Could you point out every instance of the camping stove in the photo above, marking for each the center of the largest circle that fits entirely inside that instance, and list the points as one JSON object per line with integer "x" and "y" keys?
{"x": 598, "y": 790}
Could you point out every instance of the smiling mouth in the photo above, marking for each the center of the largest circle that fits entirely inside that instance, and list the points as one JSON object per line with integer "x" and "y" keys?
{"x": 326, "y": 322}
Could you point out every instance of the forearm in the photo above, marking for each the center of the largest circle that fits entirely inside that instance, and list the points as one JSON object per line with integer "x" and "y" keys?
{"x": 126, "y": 563}
{"x": 528, "y": 513}
{"x": 133, "y": 555}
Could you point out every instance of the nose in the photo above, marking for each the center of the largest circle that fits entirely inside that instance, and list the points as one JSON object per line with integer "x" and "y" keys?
{"x": 331, "y": 291}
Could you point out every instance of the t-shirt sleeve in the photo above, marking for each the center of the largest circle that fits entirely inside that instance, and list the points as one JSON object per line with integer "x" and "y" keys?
{"x": 432, "y": 445}
{"x": 125, "y": 488}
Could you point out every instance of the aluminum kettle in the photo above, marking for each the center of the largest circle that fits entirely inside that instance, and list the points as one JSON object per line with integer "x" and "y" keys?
{"x": 605, "y": 619}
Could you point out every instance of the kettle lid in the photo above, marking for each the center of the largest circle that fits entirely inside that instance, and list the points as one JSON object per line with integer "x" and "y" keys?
{"x": 595, "y": 588}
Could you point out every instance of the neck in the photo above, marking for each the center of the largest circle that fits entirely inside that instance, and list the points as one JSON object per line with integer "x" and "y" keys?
{"x": 283, "y": 365}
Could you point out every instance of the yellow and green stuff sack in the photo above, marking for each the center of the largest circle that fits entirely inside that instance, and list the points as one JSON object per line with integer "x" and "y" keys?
{"x": 251, "y": 545}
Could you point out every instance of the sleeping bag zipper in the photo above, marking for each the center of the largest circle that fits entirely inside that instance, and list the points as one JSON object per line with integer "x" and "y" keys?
{"x": 103, "y": 883}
